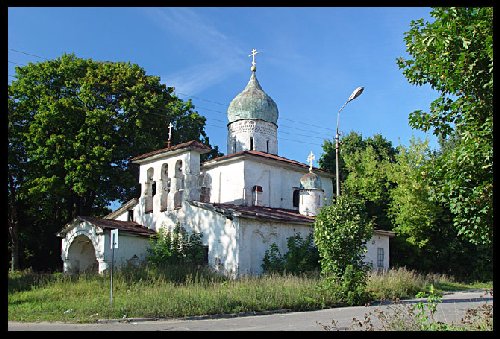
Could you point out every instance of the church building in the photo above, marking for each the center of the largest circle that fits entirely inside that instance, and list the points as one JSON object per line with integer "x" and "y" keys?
{"x": 241, "y": 202}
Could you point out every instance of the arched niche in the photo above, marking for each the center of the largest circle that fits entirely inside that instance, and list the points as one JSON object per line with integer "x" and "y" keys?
{"x": 81, "y": 255}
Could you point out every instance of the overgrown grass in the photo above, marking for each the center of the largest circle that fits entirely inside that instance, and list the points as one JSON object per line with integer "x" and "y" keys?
{"x": 179, "y": 292}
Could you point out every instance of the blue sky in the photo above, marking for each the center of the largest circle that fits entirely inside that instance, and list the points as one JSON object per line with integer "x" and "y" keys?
{"x": 310, "y": 60}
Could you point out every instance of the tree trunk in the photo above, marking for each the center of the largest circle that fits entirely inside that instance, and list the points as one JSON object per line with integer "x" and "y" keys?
{"x": 13, "y": 224}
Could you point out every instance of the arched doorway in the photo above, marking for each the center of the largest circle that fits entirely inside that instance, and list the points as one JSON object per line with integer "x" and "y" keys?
{"x": 81, "y": 255}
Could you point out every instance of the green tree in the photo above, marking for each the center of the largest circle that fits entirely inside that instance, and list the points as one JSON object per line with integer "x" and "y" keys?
{"x": 425, "y": 237}
{"x": 341, "y": 231}
{"x": 348, "y": 145}
{"x": 411, "y": 208}
{"x": 74, "y": 125}
{"x": 363, "y": 165}
{"x": 454, "y": 55}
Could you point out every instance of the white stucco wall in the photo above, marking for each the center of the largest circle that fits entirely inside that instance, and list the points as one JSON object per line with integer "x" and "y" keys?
{"x": 278, "y": 183}
{"x": 377, "y": 241}
{"x": 128, "y": 246}
{"x": 227, "y": 182}
{"x": 122, "y": 216}
{"x": 264, "y": 134}
{"x": 219, "y": 234}
{"x": 256, "y": 237}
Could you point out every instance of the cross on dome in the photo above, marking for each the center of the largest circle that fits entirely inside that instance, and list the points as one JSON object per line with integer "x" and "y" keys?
{"x": 310, "y": 159}
{"x": 254, "y": 52}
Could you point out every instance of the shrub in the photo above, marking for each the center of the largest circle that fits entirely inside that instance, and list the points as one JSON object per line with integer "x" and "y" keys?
{"x": 340, "y": 232}
{"x": 176, "y": 247}
{"x": 302, "y": 256}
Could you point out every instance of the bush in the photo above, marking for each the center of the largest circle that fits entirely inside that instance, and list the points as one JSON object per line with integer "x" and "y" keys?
{"x": 176, "y": 247}
{"x": 340, "y": 232}
{"x": 302, "y": 256}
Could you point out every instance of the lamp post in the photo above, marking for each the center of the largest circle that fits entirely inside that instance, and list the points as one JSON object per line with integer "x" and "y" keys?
{"x": 356, "y": 93}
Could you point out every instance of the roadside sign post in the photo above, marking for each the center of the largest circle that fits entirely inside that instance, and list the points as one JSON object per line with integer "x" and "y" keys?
{"x": 113, "y": 244}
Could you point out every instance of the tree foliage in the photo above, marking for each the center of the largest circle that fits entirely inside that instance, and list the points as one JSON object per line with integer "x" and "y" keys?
{"x": 74, "y": 124}
{"x": 411, "y": 208}
{"x": 340, "y": 233}
{"x": 454, "y": 55}
{"x": 426, "y": 239}
{"x": 363, "y": 167}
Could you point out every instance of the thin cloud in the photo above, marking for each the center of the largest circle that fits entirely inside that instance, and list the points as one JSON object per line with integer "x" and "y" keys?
{"x": 222, "y": 55}
{"x": 196, "y": 78}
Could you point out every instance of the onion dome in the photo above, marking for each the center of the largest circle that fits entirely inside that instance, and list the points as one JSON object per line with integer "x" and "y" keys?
{"x": 310, "y": 181}
{"x": 253, "y": 103}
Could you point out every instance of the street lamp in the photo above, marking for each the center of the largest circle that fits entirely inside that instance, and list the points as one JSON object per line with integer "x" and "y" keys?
{"x": 356, "y": 93}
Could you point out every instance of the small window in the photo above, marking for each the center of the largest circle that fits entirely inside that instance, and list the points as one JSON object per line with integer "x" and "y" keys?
{"x": 257, "y": 189}
{"x": 154, "y": 188}
{"x": 234, "y": 145}
{"x": 267, "y": 146}
{"x": 251, "y": 143}
{"x": 296, "y": 197}
{"x": 380, "y": 257}
{"x": 130, "y": 215}
{"x": 257, "y": 195}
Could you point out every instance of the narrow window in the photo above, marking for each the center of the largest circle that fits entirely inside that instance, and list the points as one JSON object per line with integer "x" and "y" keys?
{"x": 154, "y": 188}
{"x": 130, "y": 215}
{"x": 251, "y": 143}
{"x": 234, "y": 145}
{"x": 380, "y": 257}
{"x": 257, "y": 195}
{"x": 296, "y": 197}
{"x": 267, "y": 146}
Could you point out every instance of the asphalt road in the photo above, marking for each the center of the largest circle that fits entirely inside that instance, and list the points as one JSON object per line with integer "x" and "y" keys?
{"x": 451, "y": 310}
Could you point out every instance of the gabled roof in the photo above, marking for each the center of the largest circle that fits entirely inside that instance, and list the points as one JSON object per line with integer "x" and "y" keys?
{"x": 190, "y": 145}
{"x": 267, "y": 214}
{"x": 129, "y": 204}
{"x": 266, "y": 157}
{"x": 125, "y": 226}
{"x": 256, "y": 212}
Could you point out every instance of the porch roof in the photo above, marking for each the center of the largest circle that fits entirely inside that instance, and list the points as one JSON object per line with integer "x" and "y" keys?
{"x": 125, "y": 226}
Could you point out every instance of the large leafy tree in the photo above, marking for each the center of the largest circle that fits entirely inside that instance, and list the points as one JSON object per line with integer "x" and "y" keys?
{"x": 425, "y": 236}
{"x": 454, "y": 55}
{"x": 74, "y": 124}
{"x": 363, "y": 167}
